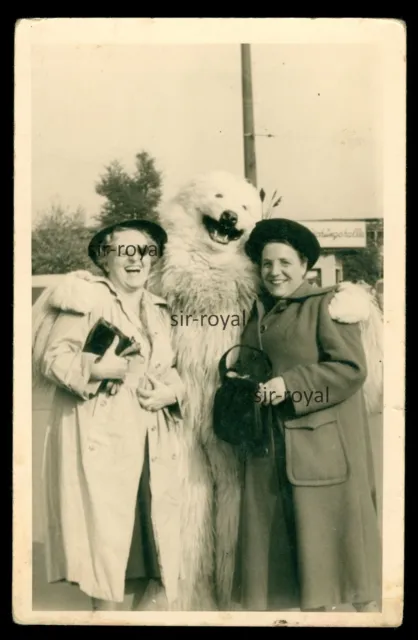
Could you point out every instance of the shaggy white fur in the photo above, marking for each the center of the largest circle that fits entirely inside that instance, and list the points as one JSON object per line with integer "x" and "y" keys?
{"x": 199, "y": 276}
{"x": 355, "y": 304}
{"x": 76, "y": 293}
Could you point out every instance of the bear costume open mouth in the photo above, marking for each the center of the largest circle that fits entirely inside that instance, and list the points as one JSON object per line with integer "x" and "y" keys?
{"x": 221, "y": 232}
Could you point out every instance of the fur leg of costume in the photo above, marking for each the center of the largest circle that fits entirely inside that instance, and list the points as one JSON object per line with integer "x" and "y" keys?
{"x": 224, "y": 464}
{"x": 196, "y": 588}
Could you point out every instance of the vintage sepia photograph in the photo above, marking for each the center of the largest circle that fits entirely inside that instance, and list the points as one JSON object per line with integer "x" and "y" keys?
{"x": 209, "y": 322}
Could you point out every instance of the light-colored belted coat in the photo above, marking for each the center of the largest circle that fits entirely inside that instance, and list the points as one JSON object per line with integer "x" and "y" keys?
{"x": 95, "y": 443}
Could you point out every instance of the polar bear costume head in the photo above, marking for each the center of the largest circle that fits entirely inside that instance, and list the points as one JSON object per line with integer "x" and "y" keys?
{"x": 214, "y": 214}
{"x": 204, "y": 268}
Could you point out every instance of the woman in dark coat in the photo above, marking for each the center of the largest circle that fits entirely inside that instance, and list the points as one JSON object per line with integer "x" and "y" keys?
{"x": 309, "y": 534}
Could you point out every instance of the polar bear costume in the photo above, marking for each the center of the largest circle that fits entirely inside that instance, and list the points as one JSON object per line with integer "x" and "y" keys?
{"x": 205, "y": 272}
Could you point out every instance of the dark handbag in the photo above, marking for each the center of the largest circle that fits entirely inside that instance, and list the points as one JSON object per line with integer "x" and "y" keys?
{"x": 101, "y": 336}
{"x": 99, "y": 339}
{"x": 237, "y": 417}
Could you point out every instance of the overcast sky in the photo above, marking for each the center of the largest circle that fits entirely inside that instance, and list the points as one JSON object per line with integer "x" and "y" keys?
{"x": 182, "y": 104}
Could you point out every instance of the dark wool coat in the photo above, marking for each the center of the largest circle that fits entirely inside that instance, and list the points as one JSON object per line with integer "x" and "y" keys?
{"x": 309, "y": 532}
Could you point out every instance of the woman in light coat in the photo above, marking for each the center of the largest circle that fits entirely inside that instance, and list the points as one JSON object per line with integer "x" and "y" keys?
{"x": 114, "y": 435}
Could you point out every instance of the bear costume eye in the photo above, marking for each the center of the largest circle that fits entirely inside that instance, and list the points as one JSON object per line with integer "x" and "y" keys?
{"x": 244, "y": 207}
{"x": 219, "y": 195}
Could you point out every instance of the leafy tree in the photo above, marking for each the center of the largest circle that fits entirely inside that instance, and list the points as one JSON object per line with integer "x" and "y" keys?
{"x": 136, "y": 196}
{"x": 59, "y": 242}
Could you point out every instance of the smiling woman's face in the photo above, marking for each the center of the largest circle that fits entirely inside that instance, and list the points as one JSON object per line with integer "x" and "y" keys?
{"x": 129, "y": 256}
{"x": 282, "y": 269}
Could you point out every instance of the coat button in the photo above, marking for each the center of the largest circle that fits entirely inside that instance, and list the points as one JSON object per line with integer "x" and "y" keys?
{"x": 157, "y": 365}
{"x": 263, "y": 328}
{"x": 153, "y": 459}
{"x": 173, "y": 456}
{"x": 153, "y": 428}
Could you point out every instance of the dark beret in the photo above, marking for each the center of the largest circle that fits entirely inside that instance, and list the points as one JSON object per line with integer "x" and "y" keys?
{"x": 154, "y": 230}
{"x": 282, "y": 230}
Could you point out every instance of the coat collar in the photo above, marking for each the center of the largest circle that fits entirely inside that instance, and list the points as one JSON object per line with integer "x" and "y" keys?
{"x": 147, "y": 302}
{"x": 148, "y": 296}
{"x": 306, "y": 290}
{"x": 266, "y": 305}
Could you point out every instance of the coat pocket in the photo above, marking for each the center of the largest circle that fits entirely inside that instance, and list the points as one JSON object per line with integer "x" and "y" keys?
{"x": 315, "y": 450}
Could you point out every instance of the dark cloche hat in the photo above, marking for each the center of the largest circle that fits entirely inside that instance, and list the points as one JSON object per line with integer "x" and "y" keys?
{"x": 282, "y": 230}
{"x": 154, "y": 230}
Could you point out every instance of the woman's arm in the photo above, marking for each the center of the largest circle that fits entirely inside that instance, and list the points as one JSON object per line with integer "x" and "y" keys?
{"x": 340, "y": 373}
{"x": 64, "y": 363}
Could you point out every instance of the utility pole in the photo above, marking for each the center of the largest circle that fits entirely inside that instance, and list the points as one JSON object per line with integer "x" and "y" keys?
{"x": 248, "y": 115}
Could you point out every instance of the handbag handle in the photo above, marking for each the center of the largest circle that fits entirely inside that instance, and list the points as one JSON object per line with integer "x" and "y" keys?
{"x": 223, "y": 369}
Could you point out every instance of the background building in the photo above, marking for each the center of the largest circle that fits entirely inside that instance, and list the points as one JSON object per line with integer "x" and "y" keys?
{"x": 343, "y": 240}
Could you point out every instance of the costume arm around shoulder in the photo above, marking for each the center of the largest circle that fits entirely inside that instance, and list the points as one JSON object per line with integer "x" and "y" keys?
{"x": 64, "y": 362}
{"x": 340, "y": 373}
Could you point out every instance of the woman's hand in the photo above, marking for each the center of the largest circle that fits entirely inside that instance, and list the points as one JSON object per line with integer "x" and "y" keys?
{"x": 157, "y": 398}
{"x": 112, "y": 386}
{"x": 272, "y": 392}
{"x": 110, "y": 366}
